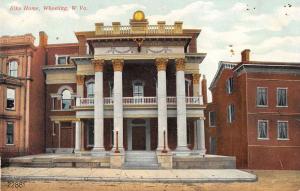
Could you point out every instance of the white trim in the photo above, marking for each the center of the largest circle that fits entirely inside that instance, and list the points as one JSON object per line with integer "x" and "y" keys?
{"x": 58, "y": 56}
{"x": 263, "y": 120}
{"x": 286, "y": 98}
{"x": 267, "y": 105}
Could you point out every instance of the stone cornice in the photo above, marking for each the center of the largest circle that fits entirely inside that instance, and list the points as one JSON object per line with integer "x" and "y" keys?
{"x": 161, "y": 64}
{"x": 180, "y": 64}
{"x": 98, "y": 65}
{"x": 118, "y": 64}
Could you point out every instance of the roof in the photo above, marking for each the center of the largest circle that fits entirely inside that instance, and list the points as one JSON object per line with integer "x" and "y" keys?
{"x": 222, "y": 65}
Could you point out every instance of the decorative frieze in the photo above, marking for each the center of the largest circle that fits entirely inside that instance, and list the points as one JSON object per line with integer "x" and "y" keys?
{"x": 80, "y": 79}
{"x": 180, "y": 64}
{"x": 196, "y": 78}
{"x": 98, "y": 65}
{"x": 161, "y": 63}
{"x": 118, "y": 64}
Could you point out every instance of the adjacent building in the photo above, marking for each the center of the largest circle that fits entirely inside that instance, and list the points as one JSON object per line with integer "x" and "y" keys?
{"x": 255, "y": 113}
{"x": 125, "y": 87}
{"x": 21, "y": 95}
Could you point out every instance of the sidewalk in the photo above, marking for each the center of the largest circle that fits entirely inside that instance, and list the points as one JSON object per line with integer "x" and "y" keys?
{"x": 119, "y": 175}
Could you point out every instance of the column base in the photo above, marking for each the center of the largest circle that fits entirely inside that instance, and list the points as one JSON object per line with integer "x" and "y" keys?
{"x": 201, "y": 152}
{"x": 121, "y": 150}
{"x": 98, "y": 151}
{"x": 182, "y": 151}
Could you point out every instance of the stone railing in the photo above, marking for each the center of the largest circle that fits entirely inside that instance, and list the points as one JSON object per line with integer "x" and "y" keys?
{"x": 137, "y": 101}
{"x": 118, "y": 29}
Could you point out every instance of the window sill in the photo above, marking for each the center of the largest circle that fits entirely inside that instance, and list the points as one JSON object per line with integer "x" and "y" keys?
{"x": 284, "y": 106}
{"x": 280, "y": 139}
{"x": 90, "y": 146}
{"x": 62, "y": 110}
{"x": 8, "y": 109}
{"x": 212, "y": 126}
{"x": 262, "y": 106}
{"x": 263, "y": 139}
{"x": 10, "y": 145}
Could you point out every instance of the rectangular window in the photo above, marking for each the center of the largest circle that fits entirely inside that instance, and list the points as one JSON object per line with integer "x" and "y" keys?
{"x": 10, "y": 98}
{"x": 61, "y": 60}
{"x": 213, "y": 145}
{"x": 230, "y": 113}
{"x": 229, "y": 85}
{"x": 263, "y": 129}
{"x": 10, "y": 133}
{"x": 91, "y": 134}
{"x": 212, "y": 118}
{"x": 281, "y": 96}
{"x": 282, "y": 127}
{"x": 262, "y": 96}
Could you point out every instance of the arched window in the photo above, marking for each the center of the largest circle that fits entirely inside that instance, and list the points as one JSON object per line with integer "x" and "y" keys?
{"x": 13, "y": 68}
{"x": 138, "y": 88}
{"x": 90, "y": 90}
{"x": 66, "y": 99}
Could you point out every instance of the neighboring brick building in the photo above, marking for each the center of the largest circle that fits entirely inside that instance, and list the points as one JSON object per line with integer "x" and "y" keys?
{"x": 22, "y": 95}
{"x": 255, "y": 113}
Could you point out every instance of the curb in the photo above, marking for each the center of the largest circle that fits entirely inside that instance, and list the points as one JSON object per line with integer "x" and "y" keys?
{"x": 7, "y": 178}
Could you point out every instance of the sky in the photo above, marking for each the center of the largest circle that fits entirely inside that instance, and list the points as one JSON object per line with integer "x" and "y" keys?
{"x": 269, "y": 28}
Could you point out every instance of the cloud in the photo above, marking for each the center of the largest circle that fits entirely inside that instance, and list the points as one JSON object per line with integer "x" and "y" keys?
{"x": 199, "y": 10}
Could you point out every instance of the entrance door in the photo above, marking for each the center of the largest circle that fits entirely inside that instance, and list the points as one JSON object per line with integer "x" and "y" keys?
{"x": 138, "y": 138}
{"x": 66, "y": 137}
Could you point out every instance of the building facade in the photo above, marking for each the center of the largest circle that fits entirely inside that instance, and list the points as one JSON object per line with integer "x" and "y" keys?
{"x": 255, "y": 113}
{"x": 21, "y": 95}
{"x": 133, "y": 87}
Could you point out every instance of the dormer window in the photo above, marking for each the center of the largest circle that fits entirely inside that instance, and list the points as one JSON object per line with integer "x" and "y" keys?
{"x": 62, "y": 59}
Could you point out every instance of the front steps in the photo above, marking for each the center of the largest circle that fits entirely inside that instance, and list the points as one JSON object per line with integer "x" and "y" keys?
{"x": 140, "y": 160}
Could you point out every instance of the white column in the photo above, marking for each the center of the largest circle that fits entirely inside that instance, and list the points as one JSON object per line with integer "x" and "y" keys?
{"x": 200, "y": 91}
{"x": 78, "y": 136}
{"x": 98, "y": 107}
{"x": 118, "y": 102}
{"x": 161, "y": 64}
{"x": 202, "y": 137}
{"x": 79, "y": 85}
{"x": 181, "y": 106}
{"x": 196, "y": 90}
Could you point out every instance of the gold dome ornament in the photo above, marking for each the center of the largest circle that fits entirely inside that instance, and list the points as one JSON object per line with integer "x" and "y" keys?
{"x": 138, "y": 15}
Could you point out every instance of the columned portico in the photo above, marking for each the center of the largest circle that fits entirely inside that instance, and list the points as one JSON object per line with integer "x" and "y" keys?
{"x": 99, "y": 107}
{"x": 118, "y": 102}
{"x": 181, "y": 106}
{"x": 161, "y": 64}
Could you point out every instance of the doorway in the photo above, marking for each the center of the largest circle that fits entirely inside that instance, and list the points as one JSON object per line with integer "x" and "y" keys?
{"x": 138, "y": 134}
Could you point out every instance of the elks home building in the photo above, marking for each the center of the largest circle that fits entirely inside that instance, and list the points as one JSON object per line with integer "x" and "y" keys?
{"x": 133, "y": 87}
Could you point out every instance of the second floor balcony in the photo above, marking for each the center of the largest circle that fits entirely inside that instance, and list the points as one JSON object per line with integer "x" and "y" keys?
{"x": 86, "y": 102}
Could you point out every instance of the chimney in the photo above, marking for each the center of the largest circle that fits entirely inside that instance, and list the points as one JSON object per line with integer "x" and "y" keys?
{"x": 245, "y": 55}
{"x": 204, "y": 90}
{"x": 43, "y": 39}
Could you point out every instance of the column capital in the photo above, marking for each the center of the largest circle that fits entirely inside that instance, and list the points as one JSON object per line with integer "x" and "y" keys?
{"x": 161, "y": 63}
{"x": 196, "y": 78}
{"x": 80, "y": 79}
{"x": 180, "y": 64}
{"x": 98, "y": 65}
{"x": 118, "y": 64}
